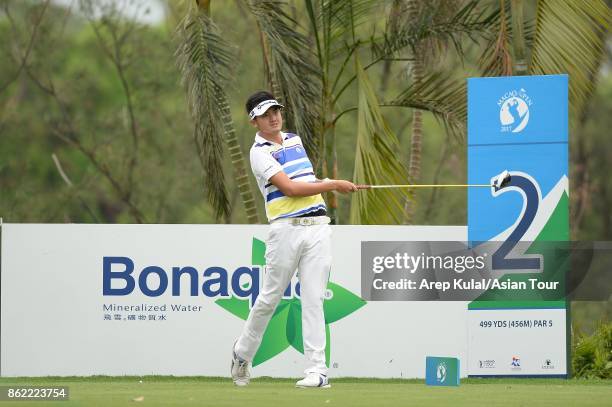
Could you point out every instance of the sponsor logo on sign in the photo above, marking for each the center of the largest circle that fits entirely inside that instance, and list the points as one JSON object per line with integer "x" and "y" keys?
{"x": 548, "y": 364}
{"x": 487, "y": 364}
{"x": 441, "y": 372}
{"x": 516, "y": 363}
{"x": 235, "y": 291}
{"x": 514, "y": 110}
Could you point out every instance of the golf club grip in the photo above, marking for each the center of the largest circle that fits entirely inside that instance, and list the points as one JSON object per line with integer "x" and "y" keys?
{"x": 363, "y": 186}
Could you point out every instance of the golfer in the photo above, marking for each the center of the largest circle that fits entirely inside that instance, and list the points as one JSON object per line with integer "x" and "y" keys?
{"x": 298, "y": 239}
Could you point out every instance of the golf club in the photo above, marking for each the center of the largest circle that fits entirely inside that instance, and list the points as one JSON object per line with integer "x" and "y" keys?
{"x": 500, "y": 181}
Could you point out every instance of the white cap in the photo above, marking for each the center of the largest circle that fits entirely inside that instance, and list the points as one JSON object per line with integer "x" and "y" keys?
{"x": 262, "y": 107}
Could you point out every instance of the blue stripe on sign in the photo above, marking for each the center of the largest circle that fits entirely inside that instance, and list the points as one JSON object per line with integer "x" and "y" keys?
{"x": 299, "y": 166}
{"x": 274, "y": 195}
{"x": 269, "y": 184}
{"x": 310, "y": 209}
{"x": 516, "y": 144}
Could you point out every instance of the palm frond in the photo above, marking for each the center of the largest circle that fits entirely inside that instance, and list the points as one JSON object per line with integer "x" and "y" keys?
{"x": 435, "y": 27}
{"x": 293, "y": 69}
{"x": 204, "y": 59}
{"x": 497, "y": 58}
{"x": 569, "y": 38}
{"x": 377, "y": 161}
{"x": 442, "y": 96}
{"x": 341, "y": 18}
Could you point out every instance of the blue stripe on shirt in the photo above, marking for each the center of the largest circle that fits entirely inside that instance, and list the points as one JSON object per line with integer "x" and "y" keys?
{"x": 274, "y": 195}
{"x": 289, "y": 154}
{"x": 296, "y": 167}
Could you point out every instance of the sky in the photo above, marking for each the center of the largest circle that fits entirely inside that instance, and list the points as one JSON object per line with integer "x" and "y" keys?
{"x": 145, "y": 11}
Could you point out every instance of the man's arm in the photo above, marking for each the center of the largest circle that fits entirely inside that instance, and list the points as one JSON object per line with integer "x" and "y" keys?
{"x": 296, "y": 189}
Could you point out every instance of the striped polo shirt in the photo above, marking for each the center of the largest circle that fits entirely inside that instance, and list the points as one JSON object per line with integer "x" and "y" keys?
{"x": 268, "y": 159}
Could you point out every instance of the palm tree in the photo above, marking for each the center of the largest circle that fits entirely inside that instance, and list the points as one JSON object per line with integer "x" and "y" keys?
{"x": 204, "y": 59}
{"x": 424, "y": 52}
{"x": 312, "y": 67}
{"x": 340, "y": 35}
{"x": 568, "y": 37}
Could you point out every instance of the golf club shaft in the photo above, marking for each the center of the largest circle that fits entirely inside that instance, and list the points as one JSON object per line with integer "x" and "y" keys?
{"x": 425, "y": 186}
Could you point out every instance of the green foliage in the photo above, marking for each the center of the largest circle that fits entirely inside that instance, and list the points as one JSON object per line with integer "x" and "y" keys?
{"x": 204, "y": 59}
{"x": 133, "y": 158}
{"x": 444, "y": 97}
{"x": 294, "y": 75}
{"x": 592, "y": 355}
{"x": 568, "y": 39}
{"x": 376, "y": 162}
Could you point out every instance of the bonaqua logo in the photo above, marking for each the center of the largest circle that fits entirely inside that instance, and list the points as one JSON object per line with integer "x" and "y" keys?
{"x": 514, "y": 110}
{"x": 235, "y": 292}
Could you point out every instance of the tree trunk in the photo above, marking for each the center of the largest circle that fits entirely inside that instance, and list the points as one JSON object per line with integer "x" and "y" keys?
{"x": 393, "y": 24}
{"x": 414, "y": 165}
{"x": 238, "y": 161}
{"x": 518, "y": 38}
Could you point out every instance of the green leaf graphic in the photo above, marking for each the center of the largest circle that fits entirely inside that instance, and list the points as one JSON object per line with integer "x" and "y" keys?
{"x": 285, "y": 326}
{"x": 258, "y": 253}
{"x": 294, "y": 327}
{"x": 236, "y": 306}
{"x": 342, "y": 303}
{"x": 327, "y": 345}
{"x": 274, "y": 339}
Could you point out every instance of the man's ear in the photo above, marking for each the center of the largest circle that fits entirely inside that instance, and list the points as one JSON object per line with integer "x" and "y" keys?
{"x": 253, "y": 122}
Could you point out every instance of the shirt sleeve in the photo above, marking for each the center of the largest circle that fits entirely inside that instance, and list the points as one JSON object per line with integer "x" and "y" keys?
{"x": 263, "y": 164}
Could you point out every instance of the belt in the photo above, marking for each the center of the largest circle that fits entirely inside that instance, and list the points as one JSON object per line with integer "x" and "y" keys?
{"x": 306, "y": 221}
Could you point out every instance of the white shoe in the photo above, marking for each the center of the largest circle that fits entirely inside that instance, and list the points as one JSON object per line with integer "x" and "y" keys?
{"x": 314, "y": 380}
{"x": 240, "y": 370}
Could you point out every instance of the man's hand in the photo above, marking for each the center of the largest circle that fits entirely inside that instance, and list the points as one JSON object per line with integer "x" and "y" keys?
{"x": 343, "y": 186}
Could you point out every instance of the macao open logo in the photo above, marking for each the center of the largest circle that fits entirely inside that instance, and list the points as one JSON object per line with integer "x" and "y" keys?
{"x": 514, "y": 110}
{"x": 441, "y": 372}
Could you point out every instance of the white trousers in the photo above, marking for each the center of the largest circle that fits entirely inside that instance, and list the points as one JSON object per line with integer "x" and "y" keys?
{"x": 306, "y": 249}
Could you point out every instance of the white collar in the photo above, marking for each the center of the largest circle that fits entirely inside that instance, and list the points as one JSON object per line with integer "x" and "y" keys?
{"x": 260, "y": 139}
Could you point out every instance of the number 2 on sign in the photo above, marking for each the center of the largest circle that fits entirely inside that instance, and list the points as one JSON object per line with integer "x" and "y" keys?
{"x": 528, "y": 188}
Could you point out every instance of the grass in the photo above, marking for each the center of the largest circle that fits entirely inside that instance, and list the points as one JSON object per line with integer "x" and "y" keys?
{"x": 170, "y": 391}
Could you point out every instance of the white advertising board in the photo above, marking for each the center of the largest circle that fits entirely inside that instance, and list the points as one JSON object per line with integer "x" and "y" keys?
{"x": 56, "y": 319}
